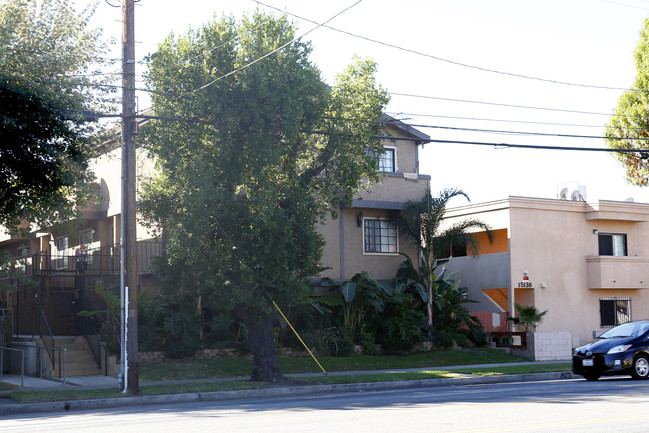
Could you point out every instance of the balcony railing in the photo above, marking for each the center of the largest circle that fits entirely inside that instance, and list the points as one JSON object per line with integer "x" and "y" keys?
{"x": 100, "y": 261}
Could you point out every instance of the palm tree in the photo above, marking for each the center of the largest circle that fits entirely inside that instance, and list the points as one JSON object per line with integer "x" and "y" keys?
{"x": 421, "y": 222}
{"x": 527, "y": 316}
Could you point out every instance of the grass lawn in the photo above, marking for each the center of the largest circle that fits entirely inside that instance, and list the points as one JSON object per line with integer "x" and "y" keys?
{"x": 234, "y": 367}
{"x": 4, "y": 386}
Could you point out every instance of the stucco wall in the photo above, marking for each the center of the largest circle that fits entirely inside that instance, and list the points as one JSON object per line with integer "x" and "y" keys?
{"x": 348, "y": 258}
{"x": 555, "y": 243}
{"x": 487, "y": 271}
{"x": 343, "y": 253}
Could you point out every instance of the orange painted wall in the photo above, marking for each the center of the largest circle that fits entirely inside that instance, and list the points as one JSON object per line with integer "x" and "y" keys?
{"x": 500, "y": 242}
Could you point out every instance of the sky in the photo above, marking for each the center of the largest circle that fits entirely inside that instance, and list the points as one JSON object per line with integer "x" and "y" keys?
{"x": 462, "y": 65}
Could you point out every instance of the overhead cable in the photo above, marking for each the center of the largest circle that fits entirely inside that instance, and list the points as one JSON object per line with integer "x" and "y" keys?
{"x": 543, "y": 134}
{"x": 644, "y": 152}
{"x": 527, "y": 107}
{"x": 273, "y": 51}
{"x": 452, "y": 62}
{"x": 481, "y": 119}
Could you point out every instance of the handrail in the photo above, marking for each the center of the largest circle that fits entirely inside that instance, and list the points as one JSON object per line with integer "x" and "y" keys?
{"x": 6, "y": 315}
{"x": 96, "y": 351}
{"x": 51, "y": 335}
{"x": 62, "y": 363}
{"x": 22, "y": 363}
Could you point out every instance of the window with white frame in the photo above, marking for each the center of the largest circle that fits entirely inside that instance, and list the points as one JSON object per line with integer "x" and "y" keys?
{"x": 62, "y": 252}
{"x": 380, "y": 236}
{"x": 386, "y": 161}
{"x": 612, "y": 244}
{"x": 614, "y": 311}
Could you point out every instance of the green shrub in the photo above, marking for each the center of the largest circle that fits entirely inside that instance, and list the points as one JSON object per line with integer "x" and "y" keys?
{"x": 323, "y": 340}
{"x": 366, "y": 340}
{"x": 172, "y": 325}
{"x": 400, "y": 327}
{"x": 343, "y": 347}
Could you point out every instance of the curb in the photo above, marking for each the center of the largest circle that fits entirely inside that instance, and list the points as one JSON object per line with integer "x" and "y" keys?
{"x": 14, "y": 408}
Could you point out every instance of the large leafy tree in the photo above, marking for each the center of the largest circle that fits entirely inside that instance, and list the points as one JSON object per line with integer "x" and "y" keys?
{"x": 46, "y": 85}
{"x": 422, "y": 222}
{"x": 628, "y": 128}
{"x": 270, "y": 150}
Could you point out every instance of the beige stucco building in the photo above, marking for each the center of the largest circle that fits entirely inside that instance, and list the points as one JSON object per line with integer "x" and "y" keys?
{"x": 587, "y": 264}
{"x": 361, "y": 239}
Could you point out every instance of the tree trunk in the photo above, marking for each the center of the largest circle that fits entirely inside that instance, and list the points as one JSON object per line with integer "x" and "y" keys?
{"x": 261, "y": 339}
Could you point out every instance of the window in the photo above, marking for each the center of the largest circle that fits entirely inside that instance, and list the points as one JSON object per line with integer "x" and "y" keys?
{"x": 457, "y": 249}
{"x": 614, "y": 311}
{"x": 386, "y": 162}
{"x": 380, "y": 236}
{"x": 62, "y": 252}
{"x": 612, "y": 244}
{"x": 22, "y": 260}
{"x": 86, "y": 244}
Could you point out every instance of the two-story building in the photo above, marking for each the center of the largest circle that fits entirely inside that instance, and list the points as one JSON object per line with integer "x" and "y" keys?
{"x": 587, "y": 264}
{"x": 59, "y": 268}
{"x": 363, "y": 238}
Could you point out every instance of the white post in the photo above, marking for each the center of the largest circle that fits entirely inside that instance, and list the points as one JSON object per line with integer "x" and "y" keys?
{"x": 125, "y": 342}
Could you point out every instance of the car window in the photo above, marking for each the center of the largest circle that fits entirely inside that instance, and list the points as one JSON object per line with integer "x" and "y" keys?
{"x": 631, "y": 329}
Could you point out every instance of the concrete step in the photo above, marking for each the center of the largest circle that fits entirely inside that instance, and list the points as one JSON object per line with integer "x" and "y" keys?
{"x": 79, "y": 359}
{"x": 84, "y": 371}
{"x": 81, "y": 372}
{"x": 78, "y": 354}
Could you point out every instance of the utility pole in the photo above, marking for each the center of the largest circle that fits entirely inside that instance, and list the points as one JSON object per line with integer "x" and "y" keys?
{"x": 128, "y": 265}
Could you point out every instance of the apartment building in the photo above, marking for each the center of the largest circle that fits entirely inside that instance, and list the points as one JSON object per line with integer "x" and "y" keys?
{"x": 587, "y": 264}
{"x": 59, "y": 268}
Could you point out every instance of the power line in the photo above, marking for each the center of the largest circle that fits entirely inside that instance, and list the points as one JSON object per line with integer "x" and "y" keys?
{"x": 93, "y": 115}
{"x": 527, "y": 107}
{"x": 644, "y": 153}
{"x": 542, "y": 134}
{"x": 625, "y": 5}
{"x": 273, "y": 51}
{"x": 452, "y": 62}
{"x": 532, "y": 122}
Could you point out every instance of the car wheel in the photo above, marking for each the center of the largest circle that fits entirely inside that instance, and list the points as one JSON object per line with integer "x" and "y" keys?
{"x": 591, "y": 376}
{"x": 640, "y": 368}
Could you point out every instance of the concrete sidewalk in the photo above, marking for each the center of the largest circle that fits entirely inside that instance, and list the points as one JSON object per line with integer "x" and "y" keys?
{"x": 9, "y": 407}
{"x": 106, "y": 382}
{"x": 28, "y": 383}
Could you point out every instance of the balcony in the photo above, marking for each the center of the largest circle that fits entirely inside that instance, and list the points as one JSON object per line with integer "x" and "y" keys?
{"x": 617, "y": 272}
{"x": 103, "y": 261}
{"x": 394, "y": 188}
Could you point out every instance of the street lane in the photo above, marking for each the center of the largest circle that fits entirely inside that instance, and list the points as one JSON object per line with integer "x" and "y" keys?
{"x": 566, "y": 405}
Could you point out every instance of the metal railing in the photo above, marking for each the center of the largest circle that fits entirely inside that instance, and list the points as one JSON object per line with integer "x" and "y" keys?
{"x": 7, "y": 325}
{"x": 104, "y": 260}
{"x": 49, "y": 334}
{"x": 22, "y": 363}
{"x": 62, "y": 369}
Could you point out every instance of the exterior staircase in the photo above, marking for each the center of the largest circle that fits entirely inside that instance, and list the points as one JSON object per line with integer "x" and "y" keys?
{"x": 79, "y": 360}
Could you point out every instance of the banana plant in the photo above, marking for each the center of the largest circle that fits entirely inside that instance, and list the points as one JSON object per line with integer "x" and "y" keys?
{"x": 361, "y": 294}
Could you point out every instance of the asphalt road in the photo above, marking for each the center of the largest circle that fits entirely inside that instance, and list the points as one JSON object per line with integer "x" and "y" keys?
{"x": 618, "y": 404}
